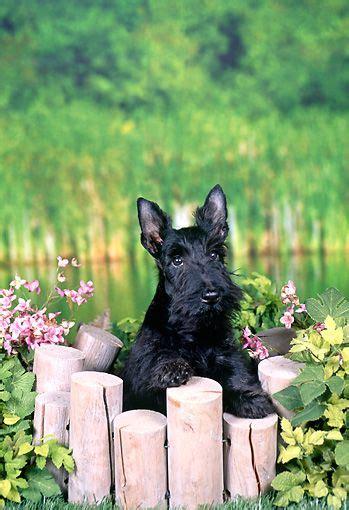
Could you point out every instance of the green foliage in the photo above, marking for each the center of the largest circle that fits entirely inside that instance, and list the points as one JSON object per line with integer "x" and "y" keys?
{"x": 331, "y": 303}
{"x": 126, "y": 329}
{"x": 261, "y": 306}
{"x": 19, "y": 477}
{"x": 316, "y": 441}
{"x": 164, "y": 99}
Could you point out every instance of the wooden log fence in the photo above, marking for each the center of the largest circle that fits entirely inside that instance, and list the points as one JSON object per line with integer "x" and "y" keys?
{"x": 99, "y": 346}
{"x": 193, "y": 457}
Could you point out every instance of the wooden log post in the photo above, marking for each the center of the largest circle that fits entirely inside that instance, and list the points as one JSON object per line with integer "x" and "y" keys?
{"x": 51, "y": 418}
{"x": 249, "y": 454}
{"x": 54, "y": 365}
{"x": 275, "y": 374}
{"x": 96, "y": 399}
{"x": 99, "y": 346}
{"x": 195, "y": 453}
{"x": 140, "y": 460}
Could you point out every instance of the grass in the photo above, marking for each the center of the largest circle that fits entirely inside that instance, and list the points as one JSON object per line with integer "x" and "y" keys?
{"x": 264, "y": 503}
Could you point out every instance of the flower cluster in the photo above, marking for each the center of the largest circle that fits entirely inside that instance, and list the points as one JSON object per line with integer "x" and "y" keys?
{"x": 24, "y": 324}
{"x": 289, "y": 297}
{"x": 254, "y": 344}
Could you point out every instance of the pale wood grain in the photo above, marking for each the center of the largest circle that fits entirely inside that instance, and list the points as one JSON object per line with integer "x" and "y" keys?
{"x": 195, "y": 453}
{"x": 96, "y": 399}
{"x": 275, "y": 374}
{"x": 249, "y": 454}
{"x": 140, "y": 459}
{"x": 51, "y": 418}
{"x": 99, "y": 346}
{"x": 54, "y": 365}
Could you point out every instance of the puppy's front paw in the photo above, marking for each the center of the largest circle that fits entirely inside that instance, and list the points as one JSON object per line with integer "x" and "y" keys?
{"x": 252, "y": 404}
{"x": 174, "y": 373}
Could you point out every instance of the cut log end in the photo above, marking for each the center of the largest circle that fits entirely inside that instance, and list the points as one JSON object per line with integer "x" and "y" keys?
{"x": 140, "y": 459}
{"x": 99, "y": 346}
{"x": 197, "y": 390}
{"x": 249, "y": 454}
{"x": 277, "y": 373}
{"x": 54, "y": 365}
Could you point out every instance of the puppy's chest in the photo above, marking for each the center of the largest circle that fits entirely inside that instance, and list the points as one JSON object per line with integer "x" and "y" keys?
{"x": 201, "y": 359}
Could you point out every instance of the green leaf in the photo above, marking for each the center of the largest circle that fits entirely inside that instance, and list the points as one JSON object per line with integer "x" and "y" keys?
{"x": 25, "y": 448}
{"x": 25, "y": 382}
{"x": 286, "y": 480}
{"x": 5, "y": 487}
{"x": 289, "y": 397}
{"x": 311, "y": 412}
{"x": 40, "y": 483}
{"x": 42, "y": 450}
{"x": 40, "y": 462}
{"x": 10, "y": 419}
{"x": 310, "y": 373}
{"x": 331, "y": 303}
{"x": 335, "y": 384}
{"x": 5, "y": 396}
{"x": 342, "y": 453}
{"x": 311, "y": 390}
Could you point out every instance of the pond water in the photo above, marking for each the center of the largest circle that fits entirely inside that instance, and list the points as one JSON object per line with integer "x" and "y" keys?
{"x": 127, "y": 288}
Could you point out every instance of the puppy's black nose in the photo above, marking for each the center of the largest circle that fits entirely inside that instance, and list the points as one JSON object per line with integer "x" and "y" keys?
{"x": 210, "y": 296}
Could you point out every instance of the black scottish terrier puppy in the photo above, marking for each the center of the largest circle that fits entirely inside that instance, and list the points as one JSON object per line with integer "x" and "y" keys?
{"x": 187, "y": 328}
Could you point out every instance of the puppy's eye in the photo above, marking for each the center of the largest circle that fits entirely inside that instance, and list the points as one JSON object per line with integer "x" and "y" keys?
{"x": 213, "y": 255}
{"x": 177, "y": 260}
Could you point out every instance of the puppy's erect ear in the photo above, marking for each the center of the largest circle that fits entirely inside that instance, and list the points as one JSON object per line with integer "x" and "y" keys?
{"x": 154, "y": 224}
{"x": 212, "y": 216}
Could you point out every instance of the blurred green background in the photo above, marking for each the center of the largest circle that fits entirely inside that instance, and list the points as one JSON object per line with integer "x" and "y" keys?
{"x": 103, "y": 101}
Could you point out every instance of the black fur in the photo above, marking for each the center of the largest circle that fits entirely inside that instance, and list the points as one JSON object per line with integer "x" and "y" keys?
{"x": 187, "y": 328}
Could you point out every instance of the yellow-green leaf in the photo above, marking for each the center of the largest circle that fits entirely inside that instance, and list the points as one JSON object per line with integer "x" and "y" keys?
{"x": 13, "y": 495}
{"x": 320, "y": 489}
{"x": 42, "y": 450}
{"x": 316, "y": 437}
{"x": 289, "y": 453}
{"x": 5, "y": 487}
{"x": 10, "y": 419}
{"x": 334, "y": 502}
{"x": 334, "y": 435}
{"x": 25, "y": 448}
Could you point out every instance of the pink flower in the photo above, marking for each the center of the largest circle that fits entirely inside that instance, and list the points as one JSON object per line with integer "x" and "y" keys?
{"x": 287, "y": 319}
{"x": 23, "y": 305}
{"x": 6, "y": 302}
{"x": 319, "y": 326}
{"x": 7, "y": 292}
{"x": 17, "y": 283}
{"x": 253, "y": 344}
{"x": 60, "y": 291}
{"x": 302, "y": 308}
{"x": 288, "y": 293}
{"x": 61, "y": 278}
{"x": 246, "y": 332}
{"x": 75, "y": 262}
{"x": 7, "y": 346}
{"x": 86, "y": 288}
{"x": 33, "y": 286}
{"x": 62, "y": 262}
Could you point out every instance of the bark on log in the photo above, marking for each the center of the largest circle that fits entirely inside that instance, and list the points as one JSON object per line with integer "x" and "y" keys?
{"x": 275, "y": 374}
{"x": 140, "y": 459}
{"x": 194, "y": 428}
{"x": 51, "y": 417}
{"x": 249, "y": 454}
{"x": 96, "y": 399}
{"x": 99, "y": 346}
{"x": 54, "y": 365}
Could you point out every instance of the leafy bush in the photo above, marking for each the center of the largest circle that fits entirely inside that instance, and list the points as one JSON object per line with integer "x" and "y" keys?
{"x": 22, "y": 464}
{"x": 316, "y": 450}
{"x": 23, "y": 327}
